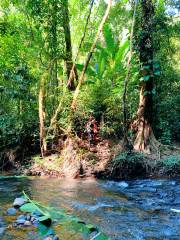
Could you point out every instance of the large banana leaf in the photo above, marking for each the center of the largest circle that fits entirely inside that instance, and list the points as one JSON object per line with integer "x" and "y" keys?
{"x": 120, "y": 54}
{"x": 109, "y": 39}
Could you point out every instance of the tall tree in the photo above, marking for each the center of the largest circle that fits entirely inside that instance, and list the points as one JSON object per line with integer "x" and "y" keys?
{"x": 42, "y": 131}
{"x": 144, "y": 118}
{"x": 126, "y": 144}
{"x": 68, "y": 55}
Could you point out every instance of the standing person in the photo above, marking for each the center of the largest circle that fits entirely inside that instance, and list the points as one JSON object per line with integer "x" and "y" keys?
{"x": 95, "y": 131}
{"x": 90, "y": 129}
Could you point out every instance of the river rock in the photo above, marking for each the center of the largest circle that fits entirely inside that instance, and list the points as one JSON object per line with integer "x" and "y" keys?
{"x": 28, "y": 217}
{"x": 27, "y": 223}
{"x": 32, "y": 218}
{"x": 35, "y": 222}
{"x": 20, "y": 221}
{"x": 21, "y": 217}
{"x": 123, "y": 184}
{"x": 49, "y": 238}
{"x": 56, "y": 238}
{"x": 11, "y": 211}
{"x": 18, "y": 202}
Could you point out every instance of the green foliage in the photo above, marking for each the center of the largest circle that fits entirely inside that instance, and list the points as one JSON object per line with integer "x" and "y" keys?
{"x": 170, "y": 164}
{"x": 59, "y": 215}
{"x": 32, "y": 42}
{"x": 128, "y": 164}
{"x": 102, "y": 93}
{"x": 129, "y": 158}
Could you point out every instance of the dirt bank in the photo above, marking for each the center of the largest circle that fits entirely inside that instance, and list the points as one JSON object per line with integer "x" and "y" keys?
{"x": 104, "y": 159}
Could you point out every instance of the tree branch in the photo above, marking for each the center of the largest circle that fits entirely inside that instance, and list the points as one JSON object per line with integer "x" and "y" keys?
{"x": 81, "y": 79}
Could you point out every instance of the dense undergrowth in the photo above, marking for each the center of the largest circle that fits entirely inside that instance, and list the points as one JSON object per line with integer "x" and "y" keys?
{"x": 38, "y": 42}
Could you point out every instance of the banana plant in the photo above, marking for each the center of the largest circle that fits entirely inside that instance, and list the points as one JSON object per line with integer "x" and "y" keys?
{"x": 109, "y": 57}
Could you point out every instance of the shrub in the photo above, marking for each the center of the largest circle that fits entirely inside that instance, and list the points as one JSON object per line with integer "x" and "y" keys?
{"x": 128, "y": 165}
{"x": 170, "y": 165}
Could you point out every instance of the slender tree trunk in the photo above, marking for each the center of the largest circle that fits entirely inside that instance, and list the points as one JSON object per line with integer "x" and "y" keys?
{"x": 126, "y": 143}
{"x": 81, "y": 78}
{"x": 43, "y": 144}
{"x": 53, "y": 119}
{"x": 68, "y": 60}
{"x": 54, "y": 47}
{"x": 54, "y": 54}
{"x": 145, "y": 110}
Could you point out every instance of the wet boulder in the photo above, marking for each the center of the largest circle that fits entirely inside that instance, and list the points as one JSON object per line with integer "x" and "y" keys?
{"x": 11, "y": 211}
{"x": 18, "y": 202}
{"x": 27, "y": 223}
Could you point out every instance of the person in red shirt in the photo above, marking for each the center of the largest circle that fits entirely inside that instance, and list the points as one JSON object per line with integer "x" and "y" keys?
{"x": 91, "y": 129}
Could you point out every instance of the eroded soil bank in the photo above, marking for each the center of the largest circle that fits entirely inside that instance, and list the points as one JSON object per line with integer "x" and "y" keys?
{"x": 105, "y": 159}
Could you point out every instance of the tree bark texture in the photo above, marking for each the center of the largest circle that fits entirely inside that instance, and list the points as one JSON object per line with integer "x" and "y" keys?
{"x": 126, "y": 143}
{"x": 144, "y": 119}
{"x": 68, "y": 58}
{"x": 43, "y": 144}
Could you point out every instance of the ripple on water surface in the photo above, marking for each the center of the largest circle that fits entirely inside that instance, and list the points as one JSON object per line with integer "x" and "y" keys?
{"x": 139, "y": 209}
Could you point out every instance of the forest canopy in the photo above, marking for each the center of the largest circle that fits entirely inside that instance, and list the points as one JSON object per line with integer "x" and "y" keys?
{"x": 62, "y": 61}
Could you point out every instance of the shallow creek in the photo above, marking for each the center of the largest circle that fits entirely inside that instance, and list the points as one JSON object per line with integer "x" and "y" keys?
{"x": 139, "y": 209}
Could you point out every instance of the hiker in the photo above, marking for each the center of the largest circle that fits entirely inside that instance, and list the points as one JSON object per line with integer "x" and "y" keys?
{"x": 91, "y": 128}
{"x": 95, "y": 131}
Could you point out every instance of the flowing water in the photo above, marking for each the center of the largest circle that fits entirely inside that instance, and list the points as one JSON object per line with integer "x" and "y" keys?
{"x": 139, "y": 209}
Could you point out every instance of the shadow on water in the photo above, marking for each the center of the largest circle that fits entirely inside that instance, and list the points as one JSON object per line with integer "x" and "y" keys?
{"x": 137, "y": 209}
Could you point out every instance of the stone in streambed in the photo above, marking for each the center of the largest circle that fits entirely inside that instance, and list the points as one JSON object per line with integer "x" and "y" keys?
{"x": 27, "y": 223}
{"x": 20, "y": 221}
{"x": 35, "y": 223}
{"x": 51, "y": 237}
{"x": 18, "y": 202}
{"x": 56, "y": 238}
{"x": 122, "y": 184}
{"x": 11, "y": 211}
{"x": 28, "y": 217}
{"x": 21, "y": 217}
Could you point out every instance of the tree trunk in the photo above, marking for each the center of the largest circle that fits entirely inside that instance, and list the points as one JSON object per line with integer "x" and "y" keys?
{"x": 89, "y": 56}
{"x": 145, "y": 110}
{"x": 126, "y": 144}
{"x": 43, "y": 144}
{"x": 68, "y": 59}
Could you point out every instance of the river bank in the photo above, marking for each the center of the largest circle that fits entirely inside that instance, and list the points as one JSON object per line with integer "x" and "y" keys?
{"x": 105, "y": 159}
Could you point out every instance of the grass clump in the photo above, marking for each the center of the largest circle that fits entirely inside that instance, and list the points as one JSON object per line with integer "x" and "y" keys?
{"x": 170, "y": 165}
{"x": 128, "y": 164}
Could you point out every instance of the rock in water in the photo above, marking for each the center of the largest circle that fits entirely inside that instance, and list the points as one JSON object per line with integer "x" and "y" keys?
{"x": 56, "y": 238}
{"x": 20, "y": 221}
{"x": 48, "y": 238}
{"x": 18, "y": 202}
{"x": 27, "y": 223}
{"x": 52, "y": 238}
{"x": 11, "y": 211}
{"x": 123, "y": 184}
{"x": 21, "y": 217}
